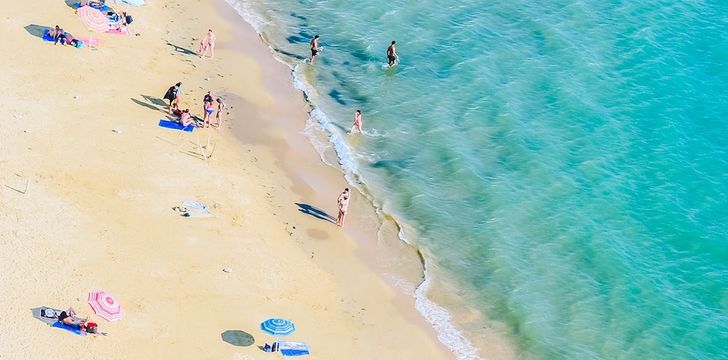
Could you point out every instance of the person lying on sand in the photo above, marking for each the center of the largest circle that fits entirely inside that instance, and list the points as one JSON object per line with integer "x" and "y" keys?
{"x": 69, "y": 317}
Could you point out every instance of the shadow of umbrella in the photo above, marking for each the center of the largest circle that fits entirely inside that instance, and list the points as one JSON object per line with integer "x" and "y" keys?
{"x": 39, "y": 315}
{"x": 36, "y": 30}
{"x": 237, "y": 338}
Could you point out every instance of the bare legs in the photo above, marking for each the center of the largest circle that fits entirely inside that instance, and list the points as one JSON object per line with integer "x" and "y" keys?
{"x": 340, "y": 219}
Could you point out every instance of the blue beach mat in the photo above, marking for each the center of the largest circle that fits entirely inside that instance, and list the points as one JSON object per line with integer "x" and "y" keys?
{"x": 175, "y": 125}
{"x": 47, "y": 36}
{"x": 68, "y": 328}
{"x": 289, "y": 348}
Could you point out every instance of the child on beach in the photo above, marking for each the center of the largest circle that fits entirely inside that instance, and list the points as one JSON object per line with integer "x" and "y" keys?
{"x": 218, "y": 115}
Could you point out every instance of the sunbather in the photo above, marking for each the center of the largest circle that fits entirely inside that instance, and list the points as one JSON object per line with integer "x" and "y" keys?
{"x": 69, "y": 317}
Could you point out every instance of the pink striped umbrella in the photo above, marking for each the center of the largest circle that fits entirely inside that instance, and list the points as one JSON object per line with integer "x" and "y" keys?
{"x": 93, "y": 18}
{"x": 104, "y": 305}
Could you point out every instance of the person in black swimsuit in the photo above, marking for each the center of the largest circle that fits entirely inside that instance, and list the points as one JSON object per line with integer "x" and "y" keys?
{"x": 314, "y": 48}
{"x": 392, "y": 54}
{"x": 69, "y": 317}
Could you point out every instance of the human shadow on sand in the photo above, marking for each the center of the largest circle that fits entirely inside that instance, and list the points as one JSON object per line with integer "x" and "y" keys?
{"x": 315, "y": 212}
{"x": 36, "y": 30}
{"x": 146, "y": 105}
{"x": 181, "y": 49}
{"x": 155, "y": 100}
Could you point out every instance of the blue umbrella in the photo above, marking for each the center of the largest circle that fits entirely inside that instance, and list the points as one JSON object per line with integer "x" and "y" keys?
{"x": 278, "y": 327}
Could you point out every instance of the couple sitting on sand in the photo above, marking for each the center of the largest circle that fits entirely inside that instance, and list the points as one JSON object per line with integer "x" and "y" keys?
{"x": 61, "y": 36}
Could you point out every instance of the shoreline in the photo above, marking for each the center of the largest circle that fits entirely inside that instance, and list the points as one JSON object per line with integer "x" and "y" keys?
{"x": 455, "y": 331}
{"x": 408, "y": 273}
{"x": 104, "y": 197}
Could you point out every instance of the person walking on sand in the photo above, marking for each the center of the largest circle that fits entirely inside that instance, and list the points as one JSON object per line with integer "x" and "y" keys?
{"x": 357, "y": 122}
{"x": 392, "y": 56}
{"x": 343, "y": 203}
{"x": 208, "y": 43}
{"x": 314, "y": 48}
{"x": 218, "y": 115}
{"x": 173, "y": 94}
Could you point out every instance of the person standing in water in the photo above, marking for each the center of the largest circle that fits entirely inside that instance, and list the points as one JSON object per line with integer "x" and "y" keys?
{"x": 314, "y": 48}
{"x": 343, "y": 204}
{"x": 357, "y": 122}
{"x": 392, "y": 56}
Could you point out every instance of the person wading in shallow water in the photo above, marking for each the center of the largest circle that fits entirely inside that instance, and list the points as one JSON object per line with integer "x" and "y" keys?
{"x": 392, "y": 56}
{"x": 357, "y": 122}
{"x": 343, "y": 203}
{"x": 314, "y": 48}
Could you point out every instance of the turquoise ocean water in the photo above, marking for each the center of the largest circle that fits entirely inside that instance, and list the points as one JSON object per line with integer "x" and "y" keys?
{"x": 561, "y": 164}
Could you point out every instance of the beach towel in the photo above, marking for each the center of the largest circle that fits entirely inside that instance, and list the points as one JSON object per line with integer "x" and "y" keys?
{"x": 192, "y": 208}
{"x": 131, "y": 2}
{"x": 289, "y": 348}
{"x": 175, "y": 125}
{"x": 47, "y": 36}
{"x": 96, "y": 5}
{"x": 94, "y": 41}
{"x": 121, "y": 31}
{"x": 70, "y": 328}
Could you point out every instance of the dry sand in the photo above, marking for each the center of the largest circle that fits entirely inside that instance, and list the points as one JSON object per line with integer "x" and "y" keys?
{"x": 98, "y": 209}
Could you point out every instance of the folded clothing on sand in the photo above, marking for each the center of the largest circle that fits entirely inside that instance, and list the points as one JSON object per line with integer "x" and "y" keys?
{"x": 175, "y": 125}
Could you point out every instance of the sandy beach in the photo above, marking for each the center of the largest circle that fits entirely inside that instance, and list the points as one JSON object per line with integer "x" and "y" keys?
{"x": 89, "y": 180}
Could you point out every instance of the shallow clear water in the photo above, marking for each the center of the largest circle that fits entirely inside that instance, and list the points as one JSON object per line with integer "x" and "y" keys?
{"x": 563, "y": 163}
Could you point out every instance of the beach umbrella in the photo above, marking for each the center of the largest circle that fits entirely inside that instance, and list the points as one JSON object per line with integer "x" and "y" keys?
{"x": 94, "y": 19}
{"x": 104, "y": 305}
{"x": 278, "y": 327}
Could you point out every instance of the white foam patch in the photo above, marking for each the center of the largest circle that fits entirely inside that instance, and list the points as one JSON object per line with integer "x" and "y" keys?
{"x": 442, "y": 322}
{"x": 245, "y": 10}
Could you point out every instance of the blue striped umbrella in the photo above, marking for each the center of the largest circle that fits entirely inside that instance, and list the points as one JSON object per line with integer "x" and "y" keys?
{"x": 278, "y": 327}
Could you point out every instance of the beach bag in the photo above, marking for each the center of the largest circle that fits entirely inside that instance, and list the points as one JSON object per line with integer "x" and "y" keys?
{"x": 92, "y": 328}
{"x": 129, "y": 19}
